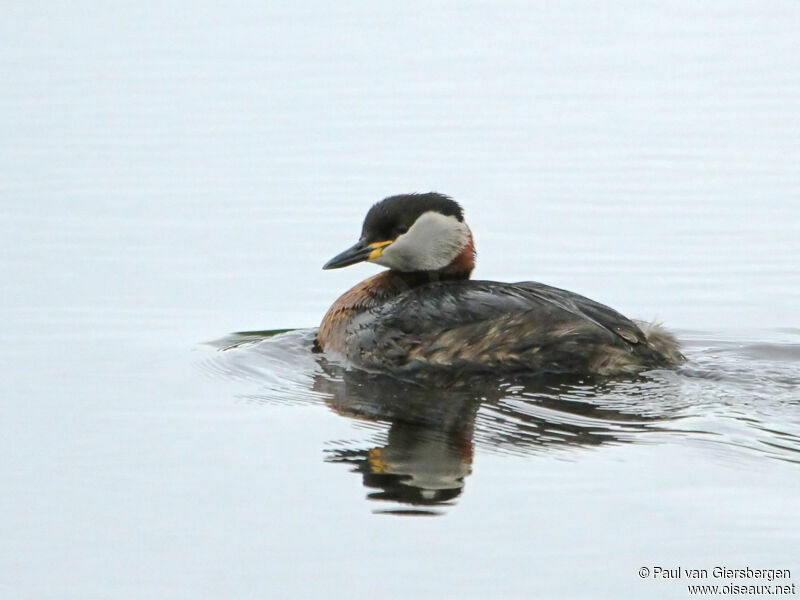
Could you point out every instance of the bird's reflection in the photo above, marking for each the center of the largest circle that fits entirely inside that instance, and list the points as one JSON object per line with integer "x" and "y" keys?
{"x": 428, "y": 450}
{"x": 433, "y": 426}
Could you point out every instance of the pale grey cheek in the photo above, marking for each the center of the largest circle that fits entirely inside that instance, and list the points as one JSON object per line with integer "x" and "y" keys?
{"x": 391, "y": 260}
{"x": 444, "y": 253}
{"x": 396, "y": 258}
{"x": 400, "y": 259}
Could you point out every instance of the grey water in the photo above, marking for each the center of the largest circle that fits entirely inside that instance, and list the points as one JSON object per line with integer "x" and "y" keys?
{"x": 171, "y": 174}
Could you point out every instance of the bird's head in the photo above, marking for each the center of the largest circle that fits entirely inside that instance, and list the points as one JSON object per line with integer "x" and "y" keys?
{"x": 410, "y": 233}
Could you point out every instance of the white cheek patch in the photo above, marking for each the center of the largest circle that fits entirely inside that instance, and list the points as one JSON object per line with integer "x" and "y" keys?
{"x": 432, "y": 243}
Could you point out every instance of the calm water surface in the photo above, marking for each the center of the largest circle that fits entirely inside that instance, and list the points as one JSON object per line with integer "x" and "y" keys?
{"x": 171, "y": 175}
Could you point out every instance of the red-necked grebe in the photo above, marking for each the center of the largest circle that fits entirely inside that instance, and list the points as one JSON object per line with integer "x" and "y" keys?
{"x": 425, "y": 312}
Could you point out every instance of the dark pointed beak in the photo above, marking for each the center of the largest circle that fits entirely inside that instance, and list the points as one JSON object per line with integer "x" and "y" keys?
{"x": 358, "y": 252}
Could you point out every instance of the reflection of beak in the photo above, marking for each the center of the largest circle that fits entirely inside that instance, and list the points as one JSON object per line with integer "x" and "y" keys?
{"x": 359, "y": 252}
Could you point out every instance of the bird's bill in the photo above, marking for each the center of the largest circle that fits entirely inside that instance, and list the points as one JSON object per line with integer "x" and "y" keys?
{"x": 358, "y": 252}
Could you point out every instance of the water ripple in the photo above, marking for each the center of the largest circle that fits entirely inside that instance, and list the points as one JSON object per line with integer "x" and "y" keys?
{"x": 740, "y": 401}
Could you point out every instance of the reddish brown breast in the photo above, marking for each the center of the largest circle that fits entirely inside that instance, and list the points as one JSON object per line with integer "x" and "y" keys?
{"x": 331, "y": 335}
{"x": 378, "y": 289}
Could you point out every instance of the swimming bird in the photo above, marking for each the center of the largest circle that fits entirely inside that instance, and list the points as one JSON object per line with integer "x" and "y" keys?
{"x": 426, "y": 313}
